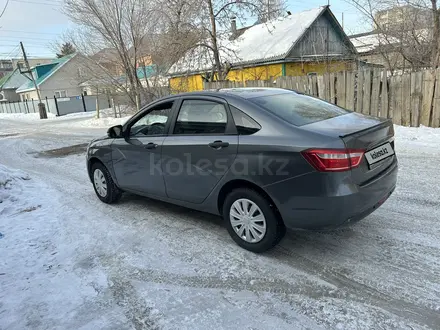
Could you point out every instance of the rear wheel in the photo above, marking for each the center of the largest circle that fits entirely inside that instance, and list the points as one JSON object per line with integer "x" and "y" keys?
{"x": 105, "y": 188}
{"x": 251, "y": 221}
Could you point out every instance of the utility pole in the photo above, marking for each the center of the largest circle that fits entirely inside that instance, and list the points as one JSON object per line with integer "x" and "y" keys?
{"x": 41, "y": 105}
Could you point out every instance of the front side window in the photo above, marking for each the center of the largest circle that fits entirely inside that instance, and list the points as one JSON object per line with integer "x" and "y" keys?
{"x": 298, "y": 109}
{"x": 154, "y": 122}
{"x": 245, "y": 124}
{"x": 201, "y": 117}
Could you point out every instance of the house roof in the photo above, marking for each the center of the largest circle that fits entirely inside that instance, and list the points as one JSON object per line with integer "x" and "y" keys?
{"x": 106, "y": 55}
{"x": 152, "y": 71}
{"x": 4, "y": 78}
{"x": 43, "y": 72}
{"x": 13, "y": 80}
{"x": 148, "y": 70}
{"x": 369, "y": 42}
{"x": 263, "y": 42}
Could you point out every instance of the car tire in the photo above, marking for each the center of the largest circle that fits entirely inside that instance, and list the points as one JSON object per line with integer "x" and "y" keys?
{"x": 272, "y": 225}
{"x": 104, "y": 186}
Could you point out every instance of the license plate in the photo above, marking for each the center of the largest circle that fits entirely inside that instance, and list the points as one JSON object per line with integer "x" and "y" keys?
{"x": 379, "y": 153}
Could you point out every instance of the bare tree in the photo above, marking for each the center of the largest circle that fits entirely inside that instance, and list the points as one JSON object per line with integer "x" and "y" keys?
{"x": 156, "y": 31}
{"x": 208, "y": 26}
{"x": 4, "y": 8}
{"x": 119, "y": 25}
{"x": 407, "y": 28}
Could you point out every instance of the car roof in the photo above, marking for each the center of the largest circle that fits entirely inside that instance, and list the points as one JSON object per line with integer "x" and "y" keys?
{"x": 243, "y": 92}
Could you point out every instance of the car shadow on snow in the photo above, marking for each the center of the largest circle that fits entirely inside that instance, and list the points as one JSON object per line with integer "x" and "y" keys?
{"x": 334, "y": 239}
{"x": 170, "y": 209}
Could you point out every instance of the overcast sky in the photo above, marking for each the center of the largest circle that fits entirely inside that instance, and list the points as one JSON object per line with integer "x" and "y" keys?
{"x": 40, "y": 24}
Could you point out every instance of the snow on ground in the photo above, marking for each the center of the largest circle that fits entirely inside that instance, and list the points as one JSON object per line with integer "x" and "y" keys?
{"x": 422, "y": 138}
{"x": 31, "y": 249}
{"x": 69, "y": 261}
{"x": 78, "y": 119}
{"x": 27, "y": 117}
{"x": 101, "y": 122}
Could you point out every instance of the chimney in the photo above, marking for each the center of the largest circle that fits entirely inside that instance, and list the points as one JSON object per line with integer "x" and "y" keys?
{"x": 234, "y": 26}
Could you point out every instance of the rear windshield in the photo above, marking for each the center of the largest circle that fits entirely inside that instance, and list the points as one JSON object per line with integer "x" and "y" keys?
{"x": 299, "y": 109}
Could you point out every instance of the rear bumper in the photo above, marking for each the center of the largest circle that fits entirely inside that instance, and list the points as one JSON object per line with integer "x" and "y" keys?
{"x": 337, "y": 202}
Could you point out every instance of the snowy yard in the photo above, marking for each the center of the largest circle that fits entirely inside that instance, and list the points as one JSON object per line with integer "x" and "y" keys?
{"x": 69, "y": 261}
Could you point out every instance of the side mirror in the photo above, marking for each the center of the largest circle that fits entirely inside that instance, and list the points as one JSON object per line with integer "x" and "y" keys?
{"x": 115, "y": 132}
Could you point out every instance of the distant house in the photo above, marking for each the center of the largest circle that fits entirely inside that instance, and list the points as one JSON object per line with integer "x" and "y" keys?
{"x": 403, "y": 51}
{"x": 401, "y": 39}
{"x": 377, "y": 48}
{"x": 109, "y": 59}
{"x": 5, "y": 68}
{"x": 16, "y": 62}
{"x": 9, "y": 85}
{"x": 403, "y": 17}
{"x": 60, "y": 78}
{"x": 308, "y": 42}
{"x": 148, "y": 75}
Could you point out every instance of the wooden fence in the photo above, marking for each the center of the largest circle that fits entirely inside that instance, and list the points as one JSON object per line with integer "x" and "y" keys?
{"x": 411, "y": 99}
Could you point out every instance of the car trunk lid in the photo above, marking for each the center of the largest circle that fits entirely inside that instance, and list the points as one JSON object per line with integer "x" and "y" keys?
{"x": 375, "y": 136}
{"x": 378, "y": 143}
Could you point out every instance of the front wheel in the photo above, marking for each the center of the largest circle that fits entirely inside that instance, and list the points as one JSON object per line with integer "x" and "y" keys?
{"x": 105, "y": 188}
{"x": 251, "y": 221}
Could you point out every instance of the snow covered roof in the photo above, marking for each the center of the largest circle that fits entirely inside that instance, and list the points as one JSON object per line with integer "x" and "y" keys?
{"x": 370, "y": 41}
{"x": 268, "y": 41}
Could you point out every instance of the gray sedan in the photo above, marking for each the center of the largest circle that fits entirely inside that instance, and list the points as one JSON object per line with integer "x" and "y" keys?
{"x": 264, "y": 159}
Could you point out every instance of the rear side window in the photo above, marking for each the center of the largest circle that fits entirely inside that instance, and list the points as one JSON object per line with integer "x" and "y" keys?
{"x": 201, "y": 117}
{"x": 245, "y": 124}
{"x": 299, "y": 109}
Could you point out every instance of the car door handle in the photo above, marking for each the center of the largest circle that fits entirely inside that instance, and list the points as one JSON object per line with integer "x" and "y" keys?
{"x": 219, "y": 144}
{"x": 150, "y": 145}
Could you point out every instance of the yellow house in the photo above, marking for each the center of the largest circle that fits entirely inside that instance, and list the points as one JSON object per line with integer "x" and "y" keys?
{"x": 308, "y": 42}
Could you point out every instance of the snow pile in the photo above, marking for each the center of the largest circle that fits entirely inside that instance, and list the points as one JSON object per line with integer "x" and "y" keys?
{"x": 79, "y": 119}
{"x": 24, "y": 116}
{"x": 106, "y": 119}
{"x": 101, "y": 122}
{"x": 424, "y": 139}
{"x": 12, "y": 183}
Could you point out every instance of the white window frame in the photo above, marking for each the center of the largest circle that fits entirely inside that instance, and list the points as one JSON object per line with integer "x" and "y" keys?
{"x": 59, "y": 95}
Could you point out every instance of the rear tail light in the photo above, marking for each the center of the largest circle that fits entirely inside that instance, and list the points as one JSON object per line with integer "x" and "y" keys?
{"x": 333, "y": 160}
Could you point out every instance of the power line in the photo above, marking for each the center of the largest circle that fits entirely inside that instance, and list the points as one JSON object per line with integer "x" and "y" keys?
{"x": 36, "y": 42}
{"x": 41, "y": 54}
{"x": 30, "y": 32}
{"x": 50, "y": 1}
{"x": 19, "y": 37}
{"x": 12, "y": 43}
{"x": 13, "y": 49}
{"x": 39, "y": 3}
{"x": 16, "y": 50}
